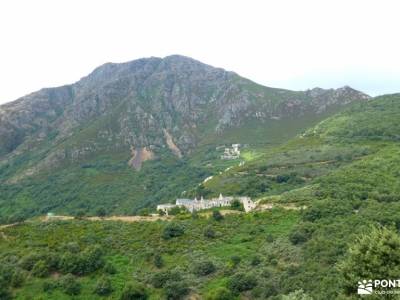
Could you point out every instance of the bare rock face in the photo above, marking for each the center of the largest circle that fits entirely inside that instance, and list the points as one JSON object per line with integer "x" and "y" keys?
{"x": 139, "y": 156}
{"x": 164, "y": 103}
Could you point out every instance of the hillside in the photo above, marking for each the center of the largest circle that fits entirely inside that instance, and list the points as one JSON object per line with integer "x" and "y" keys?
{"x": 345, "y": 171}
{"x": 131, "y": 135}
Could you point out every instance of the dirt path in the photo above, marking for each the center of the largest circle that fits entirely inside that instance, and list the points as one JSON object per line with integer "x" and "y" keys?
{"x": 130, "y": 218}
{"x": 3, "y": 235}
{"x": 8, "y": 225}
{"x": 287, "y": 207}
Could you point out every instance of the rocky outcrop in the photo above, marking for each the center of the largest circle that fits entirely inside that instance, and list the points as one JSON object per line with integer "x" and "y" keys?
{"x": 139, "y": 156}
{"x": 162, "y": 102}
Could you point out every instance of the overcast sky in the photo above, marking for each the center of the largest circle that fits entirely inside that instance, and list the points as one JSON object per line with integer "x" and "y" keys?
{"x": 288, "y": 44}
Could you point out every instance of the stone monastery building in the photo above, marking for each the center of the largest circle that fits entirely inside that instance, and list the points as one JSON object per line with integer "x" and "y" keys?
{"x": 195, "y": 204}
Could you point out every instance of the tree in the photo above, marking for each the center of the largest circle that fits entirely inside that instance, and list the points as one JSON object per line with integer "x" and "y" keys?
{"x": 160, "y": 279}
{"x": 255, "y": 260}
{"x": 375, "y": 255}
{"x": 101, "y": 212}
{"x": 297, "y": 295}
{"x": 217, "y": 215}
{"x": 237, "y": 205}
{"x": 103, "y": 286}
{"x": 4, "y": 293}
{"x": 203, "y": 268}
{"x": 172, "y": 230}
{"x": 49, "y": 286}
{"x": 209, "y": 232}
{"x": 40, "y": 269}
{"x": 269, "y": 238}
{"x": 134, "y": 291}
{"x": 241, "y": 282}
{"x": 144, "y": 212}
{"x": 18, "y": 278}
{"x": 92, "y": 259}
{"x": 235, "y": 260}
{"x": 27, "y": 262}
{"x": 80, "y": 214}
{"x": 69, "y": 285}
{"x": 175, "y": 290}
{"x": 177, "y": 210}
{"x": 158, "y": 261}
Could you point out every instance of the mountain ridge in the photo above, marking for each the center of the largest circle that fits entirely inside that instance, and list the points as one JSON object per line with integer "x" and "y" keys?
{"x": 110, "y": 84}
{"x": 144, "y": 123}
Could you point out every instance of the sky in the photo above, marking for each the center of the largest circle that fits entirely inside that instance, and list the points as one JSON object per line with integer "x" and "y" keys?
{"x": 283, "y": 43}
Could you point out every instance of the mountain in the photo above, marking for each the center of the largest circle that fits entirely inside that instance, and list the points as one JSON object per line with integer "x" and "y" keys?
{"x": 161, "y": 110}
{"x": 335, "y": 219}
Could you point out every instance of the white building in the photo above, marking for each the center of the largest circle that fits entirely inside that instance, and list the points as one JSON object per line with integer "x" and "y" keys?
{"x": 195, "y": 204}
{"x": 165, "y": 207}
{"x": 231, "y": 153}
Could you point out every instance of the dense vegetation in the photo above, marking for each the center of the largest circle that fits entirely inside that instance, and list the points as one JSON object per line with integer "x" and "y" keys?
{"x": 90, "y": 259}
{"x": 345, "y": 171}
{"x": 106, "y": 181}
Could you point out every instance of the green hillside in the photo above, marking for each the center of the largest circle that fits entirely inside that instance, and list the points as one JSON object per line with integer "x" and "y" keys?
{"x": 105, "y": 180}
{"x": 344, "y": 172}
{"x": 131, "y": 135}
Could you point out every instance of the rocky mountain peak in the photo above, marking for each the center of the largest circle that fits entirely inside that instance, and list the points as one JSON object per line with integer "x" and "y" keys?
{"x": 132, "y": 105}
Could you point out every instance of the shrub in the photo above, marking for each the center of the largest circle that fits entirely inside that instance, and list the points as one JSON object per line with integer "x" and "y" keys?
{"x": 204, "y": 268}
{"x": 380, "y": 248}
{"x": 82, "y": 263}
{"x": 217, "y": 215}
{"x": 158, "y": 261}
{"x": 255, "y": 260}
{"x": 40, "y": 269}
{"x": 49, "y": 286}
{"x": 109, "y": 268}
{"x": 297, "y": 295}
{"x": 270, "y": 289}
{"x": 175, "y": 290}
{"x": 27, "y": 262}
{"x": 80, "y": 214}
{"x": 298, "y": 237}
{"x": 70, "y": 285}
{"x": 4, "y": 293}
{"x": 92, "y": 259}
{"x": 101, "y": 212}
{"x": 209, "y": 232}
{"x": 220, "y": 293}
{"x": 6, "y": 272}
{"x": 172, "y": 230}
{"x": 72, "y": 247}
{"x": 103, "y": 286}
{"x": 237, "y": 205}
{"x": 52, "y": 261}
{"x": 241, "y": 282}
{"x": 269, "y": 238}
{"x": 177, "y": 210}
{"x": 71, "y": 263}
{"x": 235, "y": 260}
{"x": 18, "y": 278}
{"x": 160, "y": 279}
{"x": 134, "y": 291}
